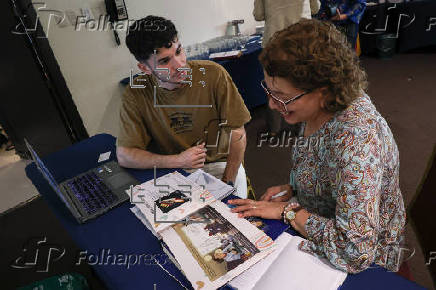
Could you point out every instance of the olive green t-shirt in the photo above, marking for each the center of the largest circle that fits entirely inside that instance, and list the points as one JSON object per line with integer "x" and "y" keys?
{"x": 170, "y": 123}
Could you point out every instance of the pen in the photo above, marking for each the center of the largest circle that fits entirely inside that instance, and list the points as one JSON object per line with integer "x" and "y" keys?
{"x": 281, "y": 193}
{"x": 199, "y": 141}
{"x": 117, "y": 38}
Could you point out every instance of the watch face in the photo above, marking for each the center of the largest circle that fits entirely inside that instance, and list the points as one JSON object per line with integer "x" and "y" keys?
{"x": 290, "y": 215}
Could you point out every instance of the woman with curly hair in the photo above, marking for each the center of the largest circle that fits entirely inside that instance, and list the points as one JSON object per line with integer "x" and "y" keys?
{"x": 343, "y": 194}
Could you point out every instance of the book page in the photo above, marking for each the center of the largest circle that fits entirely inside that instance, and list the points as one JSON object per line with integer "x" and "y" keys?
{"x": 216, "y": 187}
{"x": 216, "y": 248}
{"x": 249, "y": 278}
{"x": 169, "y": 200}
{"x": 297, "y": 269}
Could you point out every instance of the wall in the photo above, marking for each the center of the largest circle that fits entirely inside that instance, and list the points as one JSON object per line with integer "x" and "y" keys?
{"x": 92, "y": 64}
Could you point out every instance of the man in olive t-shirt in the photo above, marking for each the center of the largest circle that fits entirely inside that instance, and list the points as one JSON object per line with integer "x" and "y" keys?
{"x": 180, "y": 114}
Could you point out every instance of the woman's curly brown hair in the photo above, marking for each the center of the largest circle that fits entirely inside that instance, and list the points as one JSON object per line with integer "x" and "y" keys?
{"x": 312, "y": 54}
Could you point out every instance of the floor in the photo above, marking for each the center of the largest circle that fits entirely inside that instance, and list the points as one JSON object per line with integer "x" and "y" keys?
{"x": 401, "y": 88}
{"x": 15, "y": 188}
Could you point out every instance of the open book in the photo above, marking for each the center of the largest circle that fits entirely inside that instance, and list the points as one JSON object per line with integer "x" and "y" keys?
{"x": 209, "y": 242}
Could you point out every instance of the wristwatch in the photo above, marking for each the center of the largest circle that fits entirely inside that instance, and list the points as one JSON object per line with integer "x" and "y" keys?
{"x": 290, "y": 212}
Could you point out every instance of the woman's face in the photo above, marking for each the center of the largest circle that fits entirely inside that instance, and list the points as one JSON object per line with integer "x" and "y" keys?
{"x": 303, "y": 109}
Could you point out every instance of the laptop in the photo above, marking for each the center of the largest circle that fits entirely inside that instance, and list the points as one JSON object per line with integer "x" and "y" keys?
{"x": 91, "y": 193}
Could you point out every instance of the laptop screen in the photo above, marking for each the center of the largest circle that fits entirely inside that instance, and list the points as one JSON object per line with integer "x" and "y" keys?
{"x": 45, "y": 172}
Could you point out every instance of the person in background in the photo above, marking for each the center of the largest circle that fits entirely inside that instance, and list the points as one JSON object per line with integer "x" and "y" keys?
{"x": 345, "y": 14}
{"x": 344, "y": 192}
{"x": 187, "y": 114}
{"x": 279, "y": 14}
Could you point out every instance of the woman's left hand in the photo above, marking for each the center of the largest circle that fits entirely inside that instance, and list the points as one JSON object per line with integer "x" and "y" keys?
{"x": 263, "y": 209}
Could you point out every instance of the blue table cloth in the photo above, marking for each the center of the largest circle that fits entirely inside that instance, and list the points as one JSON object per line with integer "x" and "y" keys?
{"x": 122, "y": 233}
{"x": 247, "y": 73}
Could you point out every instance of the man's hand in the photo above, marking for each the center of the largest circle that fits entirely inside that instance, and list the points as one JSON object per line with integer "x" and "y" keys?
{"x": 263, "y": 209}
{"x": 339, "y": 16}
{"x": 193, "y": 157}
{"x": 273, "y": 190}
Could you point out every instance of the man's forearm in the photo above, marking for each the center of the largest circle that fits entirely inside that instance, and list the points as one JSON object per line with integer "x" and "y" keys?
{"x": 236, "y": 155}
{"x": 138, "y": 158}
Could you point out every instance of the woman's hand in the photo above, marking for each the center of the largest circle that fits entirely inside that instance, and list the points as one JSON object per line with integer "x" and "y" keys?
{"x": 273, "y": 190}
{"x": 263, "y": 209}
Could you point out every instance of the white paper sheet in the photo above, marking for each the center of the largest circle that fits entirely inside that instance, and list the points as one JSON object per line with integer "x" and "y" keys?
{"x": 290, "y": 268}
{"x": 212, "y": 184}
{"x": 145, "y": 195}
{"x": 104, "y": 156}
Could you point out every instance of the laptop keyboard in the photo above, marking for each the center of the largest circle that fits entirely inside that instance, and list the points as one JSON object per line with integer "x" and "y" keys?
{"x": 92, "y": 192}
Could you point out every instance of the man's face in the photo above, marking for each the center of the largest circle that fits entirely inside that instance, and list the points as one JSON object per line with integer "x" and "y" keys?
{"x": 169, "y": 58}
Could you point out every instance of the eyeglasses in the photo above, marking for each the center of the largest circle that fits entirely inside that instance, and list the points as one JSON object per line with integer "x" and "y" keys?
{"x": 277, "y": 100}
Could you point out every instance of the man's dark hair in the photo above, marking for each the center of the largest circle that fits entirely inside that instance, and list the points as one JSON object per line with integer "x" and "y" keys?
{"x": 148, "y": 34}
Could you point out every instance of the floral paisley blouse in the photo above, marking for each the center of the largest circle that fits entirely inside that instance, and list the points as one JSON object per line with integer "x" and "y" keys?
{"x": 347, "y": 176}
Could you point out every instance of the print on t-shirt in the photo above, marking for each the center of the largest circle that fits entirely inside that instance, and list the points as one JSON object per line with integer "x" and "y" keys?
{"x": 181, "y": 122}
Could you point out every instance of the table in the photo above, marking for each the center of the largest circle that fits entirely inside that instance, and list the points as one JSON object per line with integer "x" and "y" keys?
{"x": 247, "y": 72}
{"x": 122, "y": 233}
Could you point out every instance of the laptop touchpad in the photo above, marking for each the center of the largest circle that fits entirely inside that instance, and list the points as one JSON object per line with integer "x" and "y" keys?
{"x": 119, "y": 180}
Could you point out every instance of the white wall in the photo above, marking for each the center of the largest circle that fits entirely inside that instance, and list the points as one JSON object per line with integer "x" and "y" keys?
{"x": 93, "y": 65}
